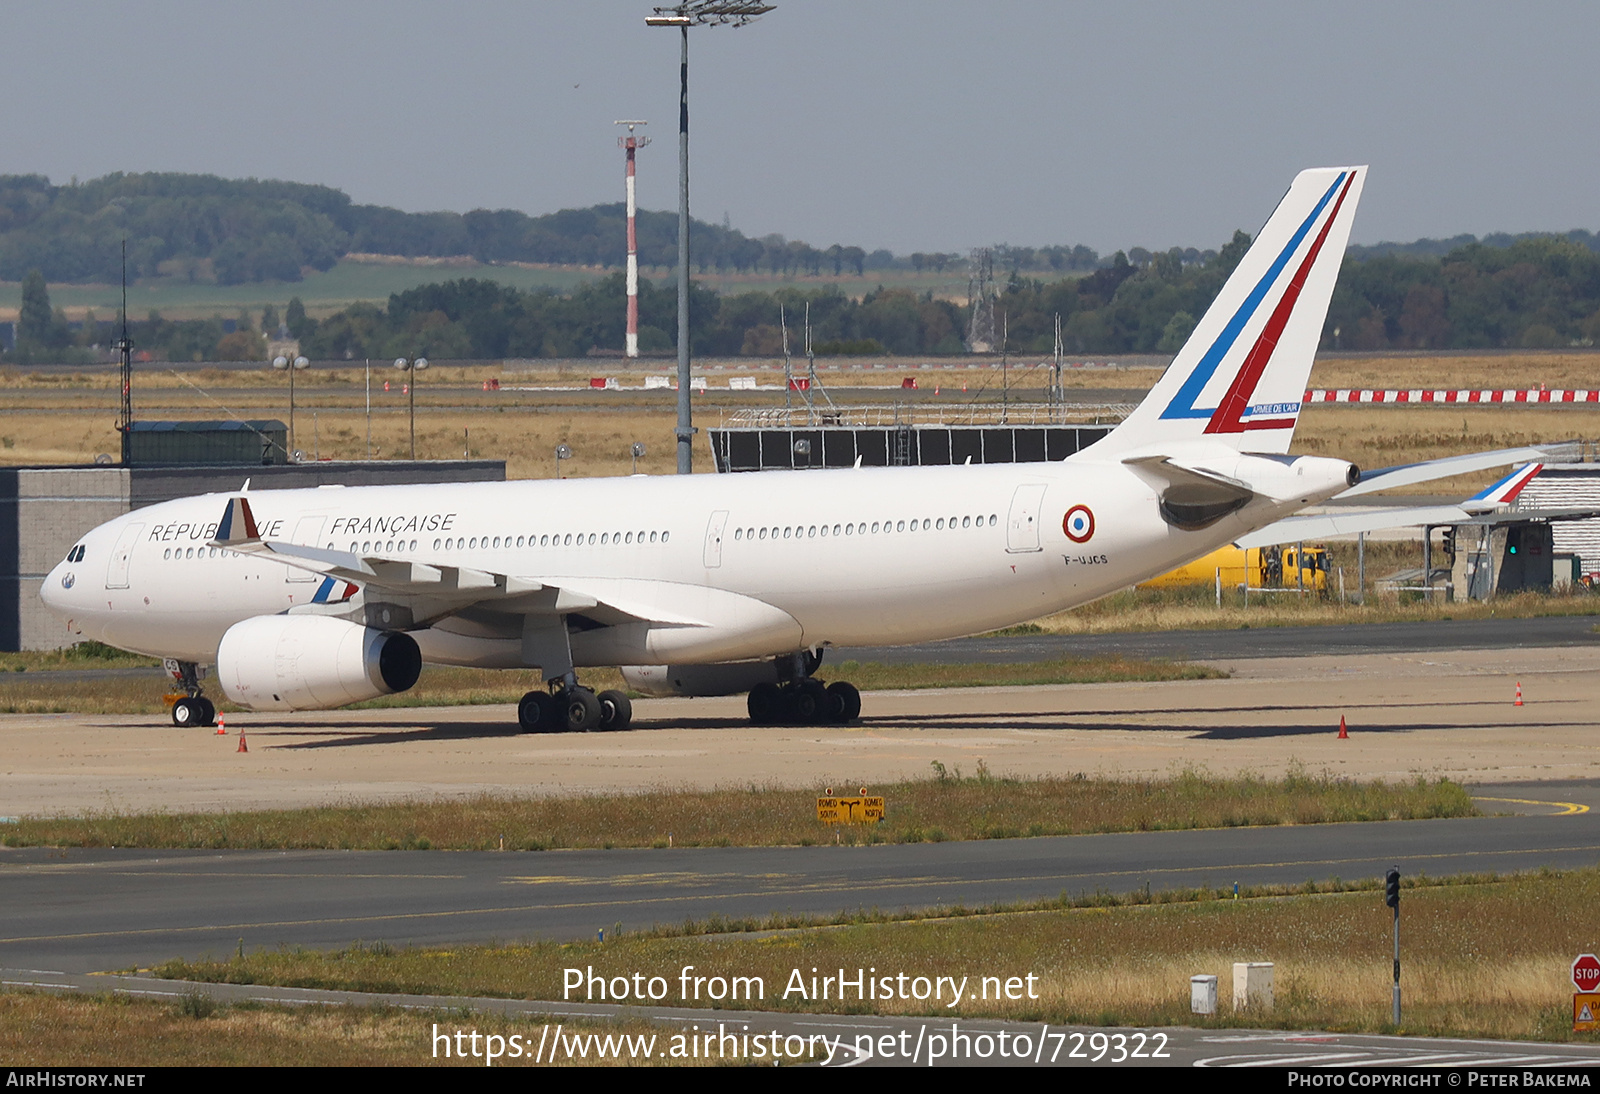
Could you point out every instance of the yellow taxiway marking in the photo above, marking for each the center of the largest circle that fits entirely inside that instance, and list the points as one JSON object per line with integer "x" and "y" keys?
{"x": 1565, "y": 809}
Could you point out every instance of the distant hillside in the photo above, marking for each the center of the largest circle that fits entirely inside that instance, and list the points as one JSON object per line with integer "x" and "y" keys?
{"x": 237, "y": 231}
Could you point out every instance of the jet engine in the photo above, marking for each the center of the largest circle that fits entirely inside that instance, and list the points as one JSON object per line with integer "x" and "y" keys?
{"x": 310, "y": 662}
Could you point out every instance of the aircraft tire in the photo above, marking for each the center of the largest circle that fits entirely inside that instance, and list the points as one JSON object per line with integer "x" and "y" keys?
{"x": 616, "y": 712}
{"x": 808, "y": 702}
{"x": 582, "y": 709}
{"x": 186, "y": 713}
{"x": 208, "y": 711}
{"x": 845, "y": 702}
{"x": 765, "y": 704}
{"x": 536, "y": 713}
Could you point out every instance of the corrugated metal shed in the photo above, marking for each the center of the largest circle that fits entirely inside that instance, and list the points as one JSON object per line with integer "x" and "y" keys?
{"x": 1565, "y": 485}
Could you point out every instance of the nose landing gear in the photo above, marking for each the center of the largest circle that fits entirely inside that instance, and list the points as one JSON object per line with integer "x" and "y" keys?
{"x": 190, "y": 708}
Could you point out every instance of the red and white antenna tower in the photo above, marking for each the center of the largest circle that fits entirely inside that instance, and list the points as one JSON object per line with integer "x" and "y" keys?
{"x": 632, "y": 144}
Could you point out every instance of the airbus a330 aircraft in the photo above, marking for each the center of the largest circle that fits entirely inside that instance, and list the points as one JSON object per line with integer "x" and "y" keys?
{"x": 715, "y": 584}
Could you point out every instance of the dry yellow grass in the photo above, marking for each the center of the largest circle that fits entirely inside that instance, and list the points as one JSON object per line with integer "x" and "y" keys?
{"x": 119, "y": 1032}
{"x": 68, "y": 417}
{"x": 1479, "y": 959}
{"x": 1511, "y": 369}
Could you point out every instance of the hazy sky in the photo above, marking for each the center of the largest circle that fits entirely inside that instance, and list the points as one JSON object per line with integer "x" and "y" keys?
{"x": 914, "y": 126}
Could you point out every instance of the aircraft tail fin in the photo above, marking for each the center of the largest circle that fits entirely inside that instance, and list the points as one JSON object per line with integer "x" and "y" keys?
{"x": 1241, "y": 377}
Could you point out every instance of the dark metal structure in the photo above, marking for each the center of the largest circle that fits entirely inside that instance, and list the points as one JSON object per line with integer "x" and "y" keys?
{"x": 801, "y": 447}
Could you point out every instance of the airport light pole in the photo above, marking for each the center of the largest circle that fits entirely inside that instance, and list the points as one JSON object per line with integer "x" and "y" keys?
{"x": 691, "y": 13}
{"x": 291, "y": 367}
{"x": 412, "y": 366}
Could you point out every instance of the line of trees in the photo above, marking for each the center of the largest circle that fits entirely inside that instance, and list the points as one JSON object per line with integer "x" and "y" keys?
{"x": 1540, "y": 292}
{"x": 472, "y": 318}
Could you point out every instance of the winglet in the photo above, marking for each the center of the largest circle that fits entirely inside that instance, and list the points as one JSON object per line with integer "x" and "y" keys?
{"x": 1504, "y": 492}
{"x": 238, "y": 524}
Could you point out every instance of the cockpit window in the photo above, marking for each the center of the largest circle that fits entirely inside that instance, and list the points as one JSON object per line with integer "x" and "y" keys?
{"x": 76, "y": 554}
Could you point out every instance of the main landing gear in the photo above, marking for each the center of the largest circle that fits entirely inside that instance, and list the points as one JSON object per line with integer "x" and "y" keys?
{"x": 571, "y": 708}
{"x": 191, "y": 709}
{"x": 806, "y": 702}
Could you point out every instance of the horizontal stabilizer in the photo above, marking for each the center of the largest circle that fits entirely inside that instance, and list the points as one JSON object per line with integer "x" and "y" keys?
{"x": 1410, "y": 474}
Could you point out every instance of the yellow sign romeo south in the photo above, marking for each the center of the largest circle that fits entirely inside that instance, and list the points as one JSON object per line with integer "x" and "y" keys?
{"x": 856, "y": 810}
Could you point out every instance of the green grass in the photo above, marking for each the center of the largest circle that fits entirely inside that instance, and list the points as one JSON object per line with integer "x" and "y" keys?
{"x": 324, "y": 292}
{"x": 949, "y": 806}
{"x": 1195, "y": 608}
{"x": 85, "y": 655}
{"x": 1484, "y": 957}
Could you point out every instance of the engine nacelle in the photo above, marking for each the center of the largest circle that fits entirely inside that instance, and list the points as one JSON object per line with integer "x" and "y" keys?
{"x": 312, "y": 662}
{"x": 727, "y": 678}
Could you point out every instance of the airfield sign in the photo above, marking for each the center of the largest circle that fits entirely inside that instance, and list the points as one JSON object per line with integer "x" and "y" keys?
{"x": 850, "y": 810}
{"x": 1586, "y": 973}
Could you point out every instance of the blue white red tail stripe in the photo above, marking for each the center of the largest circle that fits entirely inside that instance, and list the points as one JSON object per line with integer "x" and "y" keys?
{"x": 1240, "y": 380}
{"x": 1235, "y": 406}
{"x": 1506, "y": 490}
{"x": 1182, "y": 406}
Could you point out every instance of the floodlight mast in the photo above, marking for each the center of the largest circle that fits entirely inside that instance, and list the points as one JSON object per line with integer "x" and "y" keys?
{"x": 124, "y": 348}
{"x": 683, "y": 16}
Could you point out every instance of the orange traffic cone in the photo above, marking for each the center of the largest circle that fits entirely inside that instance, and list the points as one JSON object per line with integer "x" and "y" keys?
{"x": 222, "y": 727}
{"x": 242, "y": 746}
{"x": 1344, "y": 734}
{"x": 1518, "y": 703}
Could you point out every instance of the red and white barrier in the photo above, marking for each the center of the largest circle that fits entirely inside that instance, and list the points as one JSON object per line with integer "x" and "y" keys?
{"x": 1354, "y": 395}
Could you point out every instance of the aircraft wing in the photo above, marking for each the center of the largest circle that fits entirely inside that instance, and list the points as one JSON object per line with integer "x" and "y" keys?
{"x": 1410, "y": 474}
{"x": 1492, "y": 505}
{"x": 1319, "y": 526}
{"x": 432, "y": 592}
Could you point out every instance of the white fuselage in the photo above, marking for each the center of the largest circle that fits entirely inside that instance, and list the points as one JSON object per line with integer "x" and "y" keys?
{"x": 846, "y": 557}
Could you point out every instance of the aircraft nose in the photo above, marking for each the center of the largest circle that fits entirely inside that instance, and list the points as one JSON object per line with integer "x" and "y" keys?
{"x": 56, "y": 591}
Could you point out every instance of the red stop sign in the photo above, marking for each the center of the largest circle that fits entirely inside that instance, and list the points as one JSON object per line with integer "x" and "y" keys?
{"x": 1586, "y": 972}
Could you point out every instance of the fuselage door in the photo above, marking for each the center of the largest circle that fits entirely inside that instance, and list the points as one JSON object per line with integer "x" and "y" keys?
{"x": 714, "y": 529}
{"x": 1022, "y": 526}
{"x": 307, "y": 533}
{"x": 122, "y": 557}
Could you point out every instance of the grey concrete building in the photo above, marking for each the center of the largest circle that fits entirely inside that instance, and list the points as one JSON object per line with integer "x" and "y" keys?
{"x": 43, "y": 511}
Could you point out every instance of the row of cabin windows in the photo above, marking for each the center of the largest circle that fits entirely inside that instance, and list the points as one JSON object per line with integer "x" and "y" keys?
{"x": 570, "y": 539}
{"x": 926, "y": 524}
{"x": 470, "y": 543}
{"x": 195, "y": 552}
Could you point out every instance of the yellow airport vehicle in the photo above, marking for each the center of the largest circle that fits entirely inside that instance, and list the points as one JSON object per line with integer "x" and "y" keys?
{"x": 1284, "y": 567}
